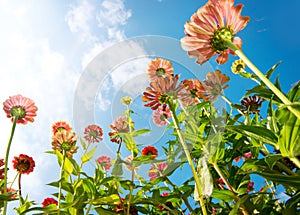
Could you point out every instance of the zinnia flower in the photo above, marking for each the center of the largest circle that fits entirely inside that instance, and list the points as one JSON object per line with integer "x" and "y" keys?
{"x": 21, "y": 107}
{"x": 161, "y": 91}
{"x": 191, "y": 93}
{"x": 208, "y": 29}
{"x": 65, "y": 141}
{"x": 160, "y": 116}
{"x": 238, "y": 66}
{"x": 2, "y": 169}
{"x": 23, "y": 164}
{"x": 59, "y": 126}
{"x": 126, "y": 100}
{"x": 104, "y": 162}
{"x": 10, "y": 192}
{"x": 159, "y": 68}
{"x": 49, "y": 201}
{"x": 155, "y": 171}
{"x": 251, "y": 104}
{"x": 93, "y": 134}
{"x": 150, "y": 151}
{"x": 213, "y": 85}
{"x": 120, "y": 125}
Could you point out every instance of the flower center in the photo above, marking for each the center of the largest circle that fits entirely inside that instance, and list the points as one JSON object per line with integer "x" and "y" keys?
{"x": 163, "y": 99}
{"x": 65, "y": 146}
{"x": 160, "y": 72}
{"x": 18, "y": 112}
{"x": 23, "y": 166}
{"x": 93, "y": 134}
{"x": 218, "y": 42}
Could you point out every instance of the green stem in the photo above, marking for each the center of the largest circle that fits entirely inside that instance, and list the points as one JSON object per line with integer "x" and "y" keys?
{"x": 6, "y": 161}
{"x": 190, "y": 161}
{"x": 60, "y": 177}
{"x": 264, "y": 79}
{"x": 20, "y": 192}
{"x": 220, "y": 173}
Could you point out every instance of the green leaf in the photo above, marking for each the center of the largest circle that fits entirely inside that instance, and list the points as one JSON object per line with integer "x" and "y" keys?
{"x": 270, "y": 71}
{"x": 117, "y": 168}
{"x": 139, "y": 132}
{"x": 112, "y": 199}
{"x": 83, "y": 144}
{"x": 257, "y": 132}
{"x": 223, "y": 195}
{"x": 68, "y": 166}
{"x": 101, "y": 211}
{"x": 89, "y": 155}
{"x": 272, "y": 159}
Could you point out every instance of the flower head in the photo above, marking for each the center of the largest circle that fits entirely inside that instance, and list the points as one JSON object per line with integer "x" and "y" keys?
{"x": 2, "y": 169}
{"x": 212, "y": 86}
{"x": 104, "y": 162}
{"x": 159, "y": 68}
{"x": 11, "y": 192}
{"x": 150, "y": 151}
{"x": 120, "y": 125}
{"x": 93, "y": 134}
{"x": 161, "y": 115}
{"x": 238, "y": 66}
{"x": 210, "y": 27}
{"x": 49, "y": 201}
{"x": 161, "y": 91}
{"x": 126, "y": 100}
{"x": 250, "y": 187}
{"x": 65, "y": 141}
{"x": 21, "y": 107}
{"x": 59, "y": 126}
{"x": 23, "y": 164}
{"x": 251, "y": 104}
{"x": 191, "y": 93}
{"x": 156, "y": 170}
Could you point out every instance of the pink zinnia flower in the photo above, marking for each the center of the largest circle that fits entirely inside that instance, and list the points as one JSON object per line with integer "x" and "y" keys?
{"x": 213, "y": 24}
{"x": 161, "y": 115}
{"x": 159, "y": 68}
{"x": 93, "y": 134}
{"x": 120, "y": 125}
{"x": 2, "y": 169}
{"x": 59, "y": 126}
{"x": 155, "y": 171}
{"x": 23, "y": 164}
{"x": 49, "y": 201}
{"x": 21, "y": 107}
{"x": 104, "y": 162}
{"x": 150, "y": 151}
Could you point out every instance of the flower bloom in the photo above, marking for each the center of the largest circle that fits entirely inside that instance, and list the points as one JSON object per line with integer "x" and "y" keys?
{"x": 59, "y": 126}
{"x": 161, "y": 90}
{"x": 65, "y": 141}
{"x": 159, "y": 68}
{"x": 93, "y": 134}
{"x": 156, "y": 171}
{"x": 2, "y": 169}
{"x": 250, "y": 187}
{"x": 208, "y": 29}
{"x": 251, "y": 104}
{"x": 11, "y": 192}
{"x": 212, "y": 86}
{"x": 49, "y": 201}
{"x": 238, "y": 66}
{"x": 23, "y": 164}
{"x": 104, "y": 162}
{"x": 191, "y": 93}
{"x": 161, "y": 115}
{"x": 21, "y": 107}
{"x": 150, "y": 151}
{"x": 120, "y": 125}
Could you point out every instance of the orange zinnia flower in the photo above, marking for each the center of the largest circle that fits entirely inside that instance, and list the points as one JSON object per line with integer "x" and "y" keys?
{"x": 213, "y": 24}
{"x": 59, "y": 126}
{"x": 21, "y": 107}
{"x": 159, "y": 68}
{"x": 65, "y": 141}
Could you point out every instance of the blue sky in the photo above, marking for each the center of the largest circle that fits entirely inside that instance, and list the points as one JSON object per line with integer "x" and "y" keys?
{"x": 47, "y": 47}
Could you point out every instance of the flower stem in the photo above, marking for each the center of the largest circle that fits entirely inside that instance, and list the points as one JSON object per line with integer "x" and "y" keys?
{"x": 264, "y": 79}
{"x": 20, "y": 191}
{"x": 60, "y": 184}
{"x": 190, "y": 161}
{"x": 218, "y": 170}
{"x": 6, "y": 161}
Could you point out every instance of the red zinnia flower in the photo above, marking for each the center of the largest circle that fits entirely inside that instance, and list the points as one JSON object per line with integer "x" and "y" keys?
{"x": 23, "y": 164}
{"x": 161, "y": 115}
{"x": 150, "y": 151}
{"x": 155, "y": 171}
{"x": 217, "y": 21}
{"x": 49, "y": 201}
{"x": 93, "y": 134}
{"x": 2, "y": 169}
{"x": 251, "y": 104}
{"x": 105, "y": 162}
{"x": 21, "y": 107}
{"x": 159, "y": 68}
{"x": 59, "y": 126}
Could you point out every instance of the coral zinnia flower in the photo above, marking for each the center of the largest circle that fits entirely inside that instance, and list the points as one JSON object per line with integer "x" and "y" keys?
{"x": 65, "y": 141}
{"x": 104, "y": 162}
{"x": 23, "y": 164}
{"x": 161, "y": 90}
{"x": 161, "y": 115}
{"x": 10, "y": 192}
{"x": 150, "y": 151}
{"x": 49, "y": 201}
{"x": 2, "y": 169}
{"x": 251, "y": 104}
{"x": 21, "y": 107}
{"x": 93, "y": 134}
{"x": 155, "y": 171}
{"x": 159, "y": 68}
{"x": 120, "y": 125}
{"x": 213, "y": 85}
{"x": 59, "y": 126}
{"x": 191, "y": 93}
{"x": 213, "y": 24}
